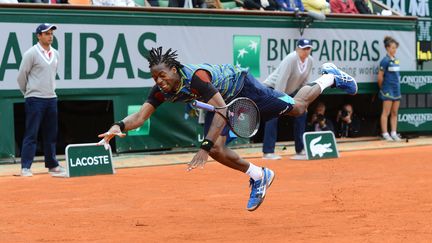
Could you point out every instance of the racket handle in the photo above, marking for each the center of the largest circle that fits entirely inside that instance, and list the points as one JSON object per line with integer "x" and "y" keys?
{"x": 202, "y": 105}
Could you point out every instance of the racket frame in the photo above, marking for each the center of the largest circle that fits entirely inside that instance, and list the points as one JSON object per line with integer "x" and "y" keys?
{"x": 208, "y": 107}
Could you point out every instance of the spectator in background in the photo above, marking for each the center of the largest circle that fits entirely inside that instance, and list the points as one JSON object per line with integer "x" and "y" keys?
{"x": 36, "y": 80}
{"x": 291, "y": 74}
{"x": 290, "y": 5}
{"x": 118, "y": 3}
{"x": 269, "y": 5}
{"x": 181, "y": 3}
{"x": 213, "y": 4}
{"x": 319, "y": 121}
{"x": 80, "y": 2}
{"x": 348, "y": 124}
{"x": 151, "y": 3}
{"x": 364, "y": 6}
{"x": 319, "y": 6}
{"x": 43, "y": 1}
{"x": 390, "y": 94}
{"x": 343, "y": 6}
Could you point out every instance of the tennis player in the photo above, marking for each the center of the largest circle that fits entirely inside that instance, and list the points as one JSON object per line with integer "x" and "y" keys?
{"x": 217, "y": 85}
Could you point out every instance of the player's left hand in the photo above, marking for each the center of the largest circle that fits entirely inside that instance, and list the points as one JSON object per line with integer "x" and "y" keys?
{"x": 198, "y": 160}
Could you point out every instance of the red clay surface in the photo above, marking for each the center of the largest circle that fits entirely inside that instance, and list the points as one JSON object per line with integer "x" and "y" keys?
{"x": 364, "y": 196}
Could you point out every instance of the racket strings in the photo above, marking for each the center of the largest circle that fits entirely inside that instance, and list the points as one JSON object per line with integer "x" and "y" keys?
{"x": 244, "y": 117}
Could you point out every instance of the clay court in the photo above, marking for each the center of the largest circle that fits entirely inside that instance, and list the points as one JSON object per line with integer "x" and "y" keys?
{"x": 365, "y": 196}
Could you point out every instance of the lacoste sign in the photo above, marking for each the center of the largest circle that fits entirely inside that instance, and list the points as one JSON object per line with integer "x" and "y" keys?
{"x": 320, "y": 145}
{"x": 88, "y": 159}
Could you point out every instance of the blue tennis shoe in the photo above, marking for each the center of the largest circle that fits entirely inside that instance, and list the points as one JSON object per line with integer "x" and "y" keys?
{"x": 342, "y": 80}
{"x": 259, "y": 189}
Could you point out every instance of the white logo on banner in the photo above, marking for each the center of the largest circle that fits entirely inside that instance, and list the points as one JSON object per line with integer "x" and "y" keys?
{"x": 416, "y": 81}
{"x": 415, "y": 119}
{"x": 319, "y": 149}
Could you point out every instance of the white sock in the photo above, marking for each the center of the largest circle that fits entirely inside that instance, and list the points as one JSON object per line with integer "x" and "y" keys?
{"x": 325, "y": 81}
{"x": 393, "y": 133}
{"x": 255, "y": 172}
{"x": 385, "y": 134}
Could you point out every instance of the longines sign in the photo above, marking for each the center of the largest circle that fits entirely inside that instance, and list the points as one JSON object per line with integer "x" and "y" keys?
{"x": 410, "y": 120}
{"x": 416, "y": 82}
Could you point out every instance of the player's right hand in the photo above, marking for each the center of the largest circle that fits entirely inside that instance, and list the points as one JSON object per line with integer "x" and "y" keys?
{"x": 107, "y": 136}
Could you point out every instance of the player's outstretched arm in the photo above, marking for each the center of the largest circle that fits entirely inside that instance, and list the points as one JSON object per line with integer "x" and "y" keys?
{"x": 137, "y": 119}
{"x": 130, "y": 122}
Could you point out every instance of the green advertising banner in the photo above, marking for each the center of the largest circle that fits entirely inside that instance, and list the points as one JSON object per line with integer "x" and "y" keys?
{"x": 416, "y": 82}
{"x": 143, "y": 130}
{"x": 412, "y": 120}
{"x": 320, "y": 145}
{"x": 103, "y": 56}
{"x": 246, "y": 50}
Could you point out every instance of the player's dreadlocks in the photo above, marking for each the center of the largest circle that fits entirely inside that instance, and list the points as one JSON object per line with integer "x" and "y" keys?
{"x": 169, "y": 58}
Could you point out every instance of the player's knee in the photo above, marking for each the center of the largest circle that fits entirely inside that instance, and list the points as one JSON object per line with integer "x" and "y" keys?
{"x": 298, "y": 109}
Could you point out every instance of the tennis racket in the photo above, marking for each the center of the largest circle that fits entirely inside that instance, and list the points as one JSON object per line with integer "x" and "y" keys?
{"x": 242, "y": 115}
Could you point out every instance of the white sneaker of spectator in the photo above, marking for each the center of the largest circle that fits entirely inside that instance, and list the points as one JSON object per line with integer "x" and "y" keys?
{"x": 272, "y": 156}
{"x": 57, "y": 171}
{"x": 387, "y": 137}
{"x": 299, "y": 157}
{"x": 26, "y": 172}
{"x": 395, "y": 137}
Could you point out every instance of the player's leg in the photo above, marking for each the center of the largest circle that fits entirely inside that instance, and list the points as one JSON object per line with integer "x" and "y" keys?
{"x": 260, "y": 178}
{"x": 229, "y": 158}
{"x": 332, "y": 76}
{"x": 306, "y": 95}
